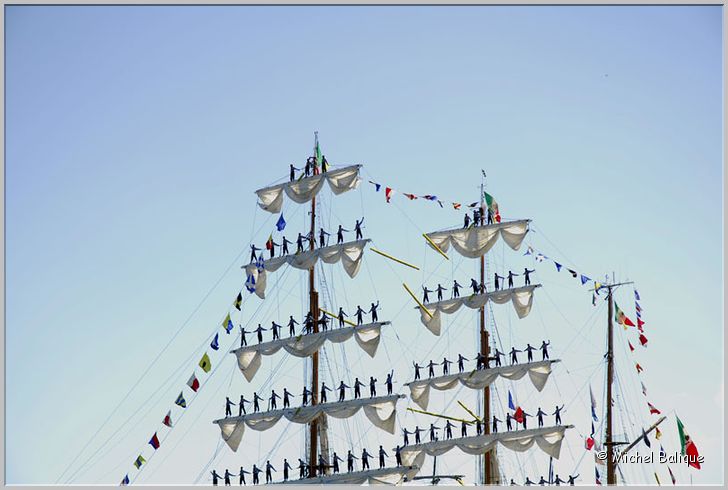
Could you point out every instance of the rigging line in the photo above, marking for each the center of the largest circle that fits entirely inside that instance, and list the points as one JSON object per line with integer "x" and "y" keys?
{"x": 539, "y": 231}
{"x": 218, "y": 445}
{"x": 159, "y": 355}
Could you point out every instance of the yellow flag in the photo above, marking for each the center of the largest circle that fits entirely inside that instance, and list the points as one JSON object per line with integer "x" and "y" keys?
{"x": 205, "y": 363}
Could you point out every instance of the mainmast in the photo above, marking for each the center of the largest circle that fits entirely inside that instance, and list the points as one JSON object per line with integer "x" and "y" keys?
{"x": 314, "y": 309}
{"x": 485, "y": 351}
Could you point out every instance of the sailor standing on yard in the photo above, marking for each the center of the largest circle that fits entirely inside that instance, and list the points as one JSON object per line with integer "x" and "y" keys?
{"x": 417, "y": 434}
{"x": 557, "y": 414}
{"x": 425, "y": 297}
{"x": 243, "y": 340}
{"x": 253, "y": 255}
{"x": 293, "y": 172}
{"x": 342, "y": 391}
{"x": 382, "y": 455}
{"x": 463, "y": 429}
{"x": 448, "y": 429}
{"x": 287, "y": 398}
{"x": 241, "y": 405}
{"x": 268, "y": 469}
{"x": 461, "y": 358}
{"x": 272, "y": 399}
{"x": 373, "y": 311}
{"x": 388, "y": 382}
{"x": 466, "y": 220}
{"x": 215, "y": 478}
{"x": 526, "y": 276}
{"x": 335, "y": 460}
{"x": 497, "y": 284}
{"x": 359, "y": 315}
{"x": 324, "y": 389}
{"x": 508, "y": 421}
{"x": 474, "y": 284}
{"x": 357, "y": 391}
{"x": 417, "y": 370}
{"x": 340, "y": 235}
{"x": 357, "y": 228}
{"x": 498, "y": 355}
{"x": 273, "y": 246}
{"x": 350, "y": 461}
{"x": 456, "y": 289}
{"x": 529, "y": 352}
{"x": 398, "y": 455}
{"x": 365, "y": 459}
{"x": 304, "y": 396}
{"x": 256, "y": 405}
{"x": 431, "y": 369}
{"x": 322, "y": 237}
{"x": 539, "y": 416}
{"x": 286, "y": 467}
{"x": 260, "y": 331}
{"x": 372, "y": 387}
{"x": 495, "y": 423}
{"x": 433, "y": 436}
{"x": 227, "y": 477}
{"x": 445, "y": 363}
{"x": 406, "y": 434}
{"x": 511, "y": 275}
{"x": 439, "y": 290}
{"x": 299, "y": 243}
{"x": 242, "y": 476}
{"x": 284, "y": 243}
{"x": 514, "y": 355}
{"x": 256, "y": 472}
{"x": 228, "y": 405}
{"x": 292, "y": 327}
{"x": 276, "y": 330}
{"x": 341, "y": 317}
{"x": 544, "y": 350}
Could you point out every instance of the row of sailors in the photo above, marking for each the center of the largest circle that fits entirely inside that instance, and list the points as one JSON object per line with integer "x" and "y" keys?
{"x": 304, "y": 469}
{"x": 273, "y": 404}
{"x": 478, "y": 288}
{"x": 308, "y": 237}
{"x": 510, "y": 419}
{"x": 480, "y": 360}
{"x": 557, "y": 481}
{"x": 308, "y": 324}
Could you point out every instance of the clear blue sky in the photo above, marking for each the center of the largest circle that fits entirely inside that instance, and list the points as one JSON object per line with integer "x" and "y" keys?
{"x": 136, "y": 137}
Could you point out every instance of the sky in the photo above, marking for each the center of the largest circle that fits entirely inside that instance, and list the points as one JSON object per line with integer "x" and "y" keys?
{"x": 136, "y": 137}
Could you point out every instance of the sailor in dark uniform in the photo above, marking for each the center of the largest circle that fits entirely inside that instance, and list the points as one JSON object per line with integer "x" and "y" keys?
{"x": 276, "y": 330}
{"x": 431, "y": 369}
{"x": 406, "y": 434}
{"x": 372, "y": 387}
{"x": 456, "y": 289}
{"x": 260, "y": 331}
{"x": 286, "y": 467}
{"x": 382, "y": 455}
{"x": 256, "y": 406}
{"x": 357, "y": 391}
{"x": 272, "y": 399}
{"x": 341, "y": 317}
{"x": 268, "y": 469}
{"x": 365, "y": 459}
{"x": 350, "y": 461}
{"x": 357, "y": 228}
{"x": 417, "y": 434}
{"x": 448, "y": 429}
{"x": 398, "y": 455}
{"x": 342, "y": 391}
{"x": 243, "y": 340}
{"x": 445, "y": 366}
{"x": 256, "y": 472}
{"x": 253, "y": 255}
{"x": 215, "y": 478}
{"x": 304, "y": 396}
{"x": 322, "y": 237}
{"x": 324, "y": 389}
{"x": 514, "y": 355}
{"x": 287, "y": 398}
{"x": 335, "y": 460}
{"x": 228, "y": 405}
{"x": 511, "y": 275}
{"x": 241, "y": 405}
{"x": 526, "y": 276}
{"x": 544, "y": 350}
{"x": 497, "y": 284}
{"x": 529, "y": 352}
{"x": 373, "y": 311}
{"x": 466, "y": 220}
{"x": 474, "y": 284}
{"x": 242, "y": 474}
{"x": 417, "y": 370}
{"x": 495, "y": 423}
{"x": 439, "y": 290}
{"x": 292, "y": 327}
{"x": 557, "y": 413}
{"x": 461, "y": 365}
{"x": 340, "y": 234}
{"x": 425, "y": 297}
{"x": 227, "y": 477}
{"x": 539, "y": 416}
{"x": 284, "y": 244}
{"x": 388, "y": 382}
{"x": 498, "y": 355}
{"x": 359, "y": 315}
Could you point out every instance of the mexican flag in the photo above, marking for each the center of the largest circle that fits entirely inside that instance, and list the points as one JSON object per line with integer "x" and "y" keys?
{"x": 621, "y": 318}
{"x": 492, "y": 206}
{"x": 687, "y": 446}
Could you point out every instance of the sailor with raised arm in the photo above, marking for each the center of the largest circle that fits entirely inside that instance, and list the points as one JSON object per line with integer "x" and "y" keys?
{"x": 322, "y": 237}
{"x": 357, "y": 390}
{"x": 215, "y": 478}
{"x": 350, "y": 461}
{"x": 544, "y": 350}
{"x": 253, "y": 255}
{"x": 268, "y": 469}
{"x": 287, "y": 398}
{"x": 340, "y": 234}
{"x": 398, "y": 455}
{"x": 242, "y": 474}
{"x": 498, "y": 355}
{"x": 272, "y": 399}
{"x": 243, "y": 340}
{"x": 286, "y": 467}
{"x": 241, "y": 405}
{"x": 514, "y": 355}
{"x": 308, "y": 167}
{"x": 497, "y": 284}
{"x": 433, "y": 435}
{"x": 557, "y": 414}
{"x": 292, "y": 327}
{"x": 388, "y": 382}
{"x": 373, "y": 311}
{"x": 382, "y": 455}
{"x": 511, "y": 275}
{"x": 439, "y": 290}
{"x": 539, "y": 416}
{"x": 324, "y": 389}
{"x": 276, "y": 330}
{"x": 260, "y": 331}
{"x": 357, "y": 228}
{"x": 342, "y": 391}
{"x": 372, "y": 387}
{"x": 365, "y": 459}
{"x": 425, "y": 292}
{"x": 526, "y": 276}
{"x": 456, "y": 289}
{"x": 228, "y": 406}
{"x": 256, "y": 471}
{"x": 284, "y": 243}
{"x": 445, "y": 366}
{"x": 335, "y": 460}
{"x": 461, "y": 360}
{"x": 572, "y": 479}
{"x": 359, "y": 315}
{"x": 529, "y": 352}
{"x": 431, "y": 369}
{"x": 256, "y": 405}
{"x": 448, "y": 429}
{"x": 341, "y": 317}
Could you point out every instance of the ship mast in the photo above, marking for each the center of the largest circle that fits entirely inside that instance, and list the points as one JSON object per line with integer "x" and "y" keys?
{"x": 485, "y": 351}
{"x": 314, "y": 309}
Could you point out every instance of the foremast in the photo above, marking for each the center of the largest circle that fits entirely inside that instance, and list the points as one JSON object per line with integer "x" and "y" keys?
{"x": 485, "y": 351}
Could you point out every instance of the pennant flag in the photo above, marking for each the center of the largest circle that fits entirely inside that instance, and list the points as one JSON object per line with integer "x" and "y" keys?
{"x": 558, "y": 266}
{"x": 663, "y": 454}
{"x": 643, "y": 340}
{"x": 653, "y": 410}
{"x": 573, "y": 273}
{"x": 214, "y": 344}
{"x": 227, "y": 324}
{"x": 193, "y": 383}
{"x": 456, "y": 205}
{"x": 473, "y": 204}
{"x": 269, "y": 242}
{"x": 281, "y": 223}
{"x": 593, "y": 407}
{"x": 492, "y": 206}
{"x": 637, "y": 295}
{"x": 540, "y": 257}
{"x": 411, "y": 197}
{"x": 168, "y": 419}
{"x": 631, "y": 349}
{"x": 639, "y": 368}
{"x": 181, "y": 401}
{"x": 644, "y": 389}
{"x": 154, "y": 441}
{"x": 621, "y": 318}
{"x": 658, "y": 434}
{"x": 139, "y": 461}
{"x": 597, "y": 287}
{"x": 687, "y": 447}
{"x": 672, "y": 477}
{"x": 388, "y": 193}
{"x": 598, "y": 481}
{"x": 510, "y": 401}
{"x": 440, "y": 203}
{"x": 644, "y": 438}
{"x": 125, "y": 481}
{"x": 589, "y": 443}
{"x": 639, "y": 324}
{"x": 205, "y": 363}
{"x": 250, "y": 283}
{"x": 518, "y": 416}
{"x": 430, "y": 198}
{"x": 584, "y": 279}
{"x": 637, "y": 307}
{"x": 239, "y": 301}
{"x": 376, "y": 186}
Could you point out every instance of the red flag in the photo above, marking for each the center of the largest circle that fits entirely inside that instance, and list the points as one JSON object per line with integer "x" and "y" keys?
{"x": 653, "y": 409}
{"x": 639, "y": 368}
{"x": 518, "y": 415}
{"x": 456, "y": 205}
{"x": 631, "y": 349}
{"x": 589, "y": 443}
{"x": 388, "y": 193}
{"x": 411, "y": 197}
{"x": 643, "y": 340}
{"x": 640, "y": 323}
{"x": 168, "y": 419}
{"x": 692, "y": 451}
{"x": 269, "y": 243}
{"x": 154, "y": 441}
{"x": 193, "y": 383}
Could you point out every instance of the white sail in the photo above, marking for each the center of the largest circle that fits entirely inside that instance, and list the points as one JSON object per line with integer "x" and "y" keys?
{"x": 303, "y": 190}
{"x": 478, "y": 379}
{"x": 250, "y": 357}
{"x": 548, "y": 439}
{"x": 383, "y": 476}
{"x": 475, "y": 241}
{"x": 521, "y": 298}
{"x": 349, "y": 253}
{"x": 381, "y": 412}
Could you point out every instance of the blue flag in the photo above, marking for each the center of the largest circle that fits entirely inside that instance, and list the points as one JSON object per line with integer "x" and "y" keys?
{"x": 376, "y": 186}
{"x": 558, "y": 266}
{"x": 181, "y": 401}
{"x": 125, "y": 481}
{"x": 636, "y": 295}
{"x": 510, "y": 401}
{"x": 250, "y": 283}
{"x": 214, "y": 343}
{"x": 644, "y": 436}
{"x": 281, "y": 223}
{"x": 584, "y": 279}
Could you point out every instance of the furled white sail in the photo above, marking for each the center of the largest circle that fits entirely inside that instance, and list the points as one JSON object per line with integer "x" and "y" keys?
{"x": 250, "y": 357}
{"x": 303, "y": 190}
{"x": 475, "y": 241}
{"x": 383, "y": 476}
{"x": 521, "y": 298}
{"x": 538, "y": 372}
{"x": 349, "y": 253}
{"x": 548, "y": 439}
{"x": 381, "y": 412}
